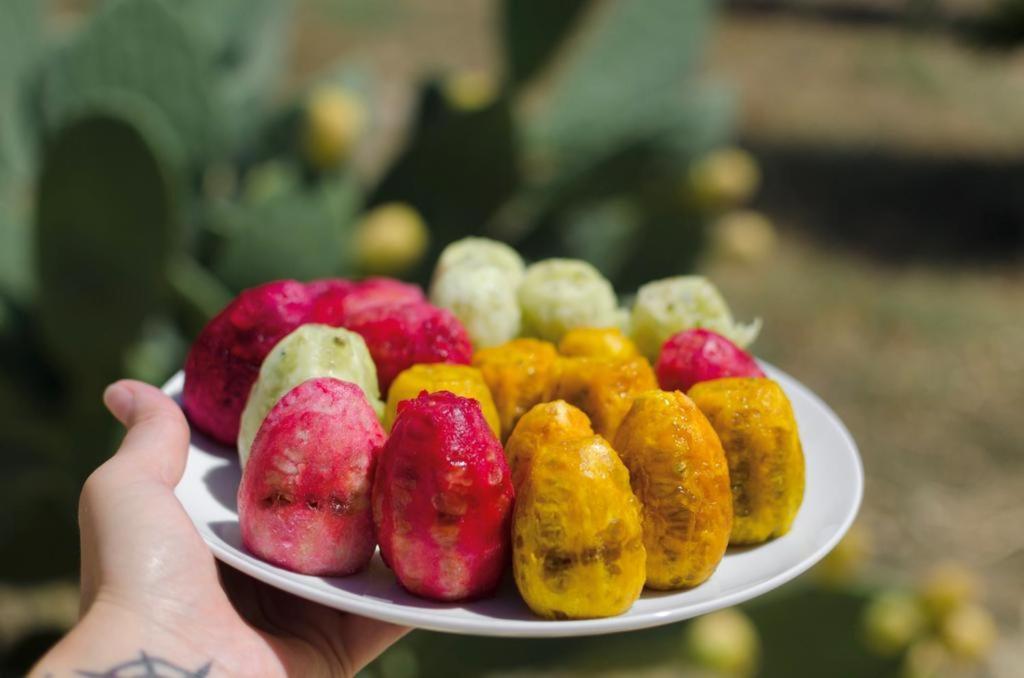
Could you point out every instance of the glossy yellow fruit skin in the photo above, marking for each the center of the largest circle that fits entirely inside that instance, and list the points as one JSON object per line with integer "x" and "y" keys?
{"x": 679, "y": 474}
{"x": 544, "y": 424}
{"x": 754, "y": 421}
{"x": 577, "y": 536}
{"x": 604, "y": 388}
{"x": 597, "y": 342}
{"x": 462, "y": 380}
{"x": 520, "y": 374}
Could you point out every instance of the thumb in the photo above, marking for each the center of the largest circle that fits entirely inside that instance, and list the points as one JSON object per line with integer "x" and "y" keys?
{"x": 156, "y": 443}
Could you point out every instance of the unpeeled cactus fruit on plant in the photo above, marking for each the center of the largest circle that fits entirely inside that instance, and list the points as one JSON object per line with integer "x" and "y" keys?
{"x": 545, "y": 424}
{"x": 724, "y": 178}
{"x": 308, "y": 352}
{"x": 462, "y": 380}
{"x": 520, "y": 374}
{"x": 578, "y": 548}
{"x": 697, "y": 355}
{"x": 604, "y": 388}
{"x": 755, "y": 422}
{"x": 304, "y": 499}
{"x": 225, "y": 358}
{"x": 334, "y": 120}
{"x": 597, "y": 342}
{"x": 678, "y": 472}
{"x": 390, "y": 239}
{"x": 442, "y": 499}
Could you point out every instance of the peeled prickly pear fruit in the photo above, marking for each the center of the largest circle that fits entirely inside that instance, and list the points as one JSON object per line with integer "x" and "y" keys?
{"x": 697, "y": 355}
{"x": 755, "y": 423}
{"x": 679, "y": 474}
{"x": 225, "y": 358}
{"x": 442, "y": 499}
{"x": 604, "y": 388}
{"x": 461, "y": 380}
{"x": 545, "y": 424}
{"x": 335, "y": 301}
{"x": 578, "y": 547}
{"x": 304, "y": 499}
{"x": 308, "y": 352}
{"x": 400, "y": 336}
{"x": 557, "y": 295}
{"x": 597, "y": 342}
{"x": 520, "y": 374}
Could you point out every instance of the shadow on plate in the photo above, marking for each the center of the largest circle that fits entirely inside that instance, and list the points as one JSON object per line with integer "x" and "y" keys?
{"x": 222, "y": 482}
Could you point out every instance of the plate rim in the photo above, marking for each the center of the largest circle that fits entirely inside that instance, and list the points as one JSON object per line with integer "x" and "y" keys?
{"x": 396, "y": 613}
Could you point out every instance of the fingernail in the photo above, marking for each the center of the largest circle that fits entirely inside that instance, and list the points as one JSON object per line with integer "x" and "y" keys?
{"x": 120, "y": 400}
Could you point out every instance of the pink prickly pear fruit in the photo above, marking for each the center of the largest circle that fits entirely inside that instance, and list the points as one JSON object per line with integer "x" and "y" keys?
{"x": 304, "y": 499}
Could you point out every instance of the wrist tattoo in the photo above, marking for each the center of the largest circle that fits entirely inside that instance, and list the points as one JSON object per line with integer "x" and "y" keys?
{"x": 148, "y": 666}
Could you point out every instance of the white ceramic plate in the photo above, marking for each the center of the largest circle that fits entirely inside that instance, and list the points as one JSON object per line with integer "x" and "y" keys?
{"x": 833, "y": 495}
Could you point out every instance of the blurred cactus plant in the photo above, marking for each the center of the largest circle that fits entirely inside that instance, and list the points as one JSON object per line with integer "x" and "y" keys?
{"x": 149, "y": 169}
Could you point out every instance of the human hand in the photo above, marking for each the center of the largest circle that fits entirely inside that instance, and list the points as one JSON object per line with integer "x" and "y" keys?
{"x": 152, "y": 593}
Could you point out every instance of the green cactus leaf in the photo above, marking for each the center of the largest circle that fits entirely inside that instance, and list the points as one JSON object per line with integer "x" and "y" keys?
{"x": 142, "y": 48}
{"x": 105, "y": 230}
{"x": 20, "y": 45}
{"x": 625, "y": 79}
{"x": 198, "y": 293}
{"x": 17, "y": 275}
{"x": 300, "y": 234}
{"x": 533, "y": 32}
{"x": 244, "y": 45}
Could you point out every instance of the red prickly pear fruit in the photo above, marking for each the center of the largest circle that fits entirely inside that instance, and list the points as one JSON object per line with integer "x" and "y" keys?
{"x": 696, "y": 355}
{"x": 225, "y": 358}
{"x": 442, "y": 499}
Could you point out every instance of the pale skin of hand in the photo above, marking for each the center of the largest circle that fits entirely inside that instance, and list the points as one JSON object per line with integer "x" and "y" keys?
{"x": 150, "y": 584}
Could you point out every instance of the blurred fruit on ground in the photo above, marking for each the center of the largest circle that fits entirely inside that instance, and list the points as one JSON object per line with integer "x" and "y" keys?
{"x": 390, "y": 239}
{"x": 743, "y": 236}
{"x": 969, "y": 631}
{"x": 846, "y": 563}
{"x": 946, "y": 587}
{"x": 725, "y": 641}
{"x": 926, "y": 658}
{"x": 892, "y": 621}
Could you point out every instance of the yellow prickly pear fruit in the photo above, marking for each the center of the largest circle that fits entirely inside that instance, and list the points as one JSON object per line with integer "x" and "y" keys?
{"x": 604, "y": 388}
{"x": 577, "y": 541}
{"x": 520, "y": 374}
{"x": 390, "y": 239}
{"x": 544, "y": 424}
{"x": 754, "y": 420}
{"x": 334, "y": 120}
{"x": 462, "y": 380}
{"x": 597, "y": 342}
{"x": 678, "y": 472}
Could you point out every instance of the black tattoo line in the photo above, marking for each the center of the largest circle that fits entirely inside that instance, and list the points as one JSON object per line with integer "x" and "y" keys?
{"x": 147, "y": 666}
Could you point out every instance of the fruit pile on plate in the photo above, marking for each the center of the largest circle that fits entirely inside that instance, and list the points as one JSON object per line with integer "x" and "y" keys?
{"x": 515, "y": 416}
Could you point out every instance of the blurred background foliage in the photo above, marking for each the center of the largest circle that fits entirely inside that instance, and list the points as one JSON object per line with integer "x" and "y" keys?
{"x": 157, "y": 156}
